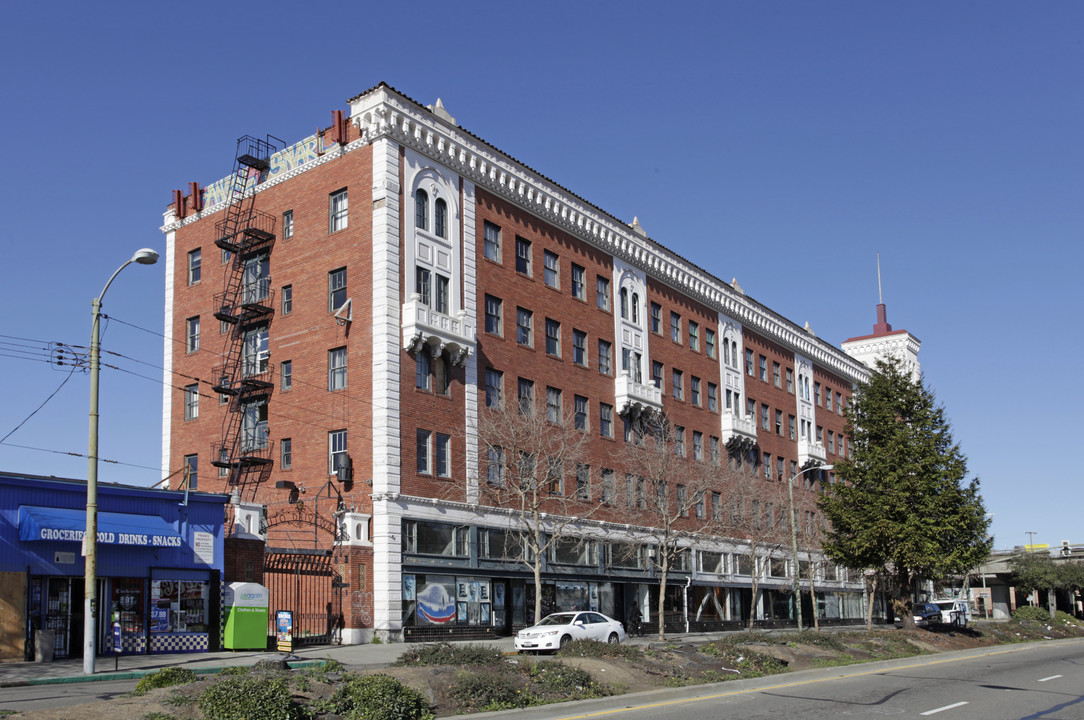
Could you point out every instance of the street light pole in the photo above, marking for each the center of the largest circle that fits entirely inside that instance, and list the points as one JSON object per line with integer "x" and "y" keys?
{"x": 794, "y": 538}
{"x": 146, "y": 256}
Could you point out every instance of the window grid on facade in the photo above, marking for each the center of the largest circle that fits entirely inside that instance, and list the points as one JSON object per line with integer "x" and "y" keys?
{"x": 694, "y": 390}
{"x": 579, "y": 347}
{"x": 191, "y": 471}
{"x": 553, "y": 337}
{"x": 494, "y": 387}
{"x": 287, "y": 224}
{"x": 656, "y": 318}
{"x": 493, "y": 307}
{"x": 694, "y": 336}
{"x": 551, "y": 269}
{"x": 524, "y": 334}
{"x": 579, "y": 287}
{"x": 192, "y": 334}
{"x": 421, "y": 209}
{"x": 286, "y": 453}
{"x": 605, "y": 360}
{"x": 713, "y": 397}
{"x": 709, "y": 342}
{"x": 605, "y": 420}
{"x": 336, "y": 447}
{"x": 336, "y": 369}
{"x": 287, "y": 299}
{"x": 423, "y": 452}
{"x": 337, "y": 211}
{"x": 491, "y": 242}
{"x": 523, "y": 256}
{"x": 553, "y": 405}
{"x": 286, "y": 368}
{"x": 191, "y": 401}
{"x": 675, "y": 327}
{"x": 677, "y": 381}
{"x": 602, "y": 292}
{"x": 336, "y": 289}
{"x": 580, "y": 412}
{"x": 194, "y": 269}
{"x": 443, "y": 455}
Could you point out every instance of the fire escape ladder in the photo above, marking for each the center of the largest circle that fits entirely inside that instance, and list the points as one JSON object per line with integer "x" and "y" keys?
{"x": 246, "y": 304}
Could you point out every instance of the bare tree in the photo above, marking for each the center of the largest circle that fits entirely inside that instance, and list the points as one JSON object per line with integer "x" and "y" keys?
{"x": 757, "y": 513}
{"x": 810, "y": 530}
{"x": 671, "y": 496}
{"x": 534, "y": 457}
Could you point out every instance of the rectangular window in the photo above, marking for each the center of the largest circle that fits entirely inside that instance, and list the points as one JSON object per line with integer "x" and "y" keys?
{"x": 767, "y": 466}
{"x": 553, "y": 405}
{"x": 583, "y": 482}
{"x": 423, "y": 285}
{"x": 698, "y": 445}
{"x": 579, "y": 347}
{"x": 602, "y": 293}
{"x": 524, "y": 332}
{"x": 777, "y": 379}
{"x": 749, "y": 369}
{"x": 709, "y": 342}
{"x": 553, "y": 337}
{"x": 694, "y": 336}
{"x": 336, "y": 450}
{"x": 656, "y": 373}
{"x": 764, "y": 416}
{"x": 191, "y": 401}
{"x": 444, "y": 455}
{"x": 555, "y": 476}
{"x": 440, "y": 296}
{"x": 763, "y": 368}
{"x": 656, "y": 318}
{"x": 605, "y": 420}
{"x": 675, "y": 327}
{"x": 607, "y": 486}
{"x": 751, "y": 409}
{"x": 694, "y": 390}
{"x": 791, "y": 432}
{"x": 525, "y": 394}
{"x": 677, "y": 380}
{"x": 491, "y": 241}
{"x": 194, "y": 269}
{"x": 580, "y": 410}
{"x": 831, "y": 442}
{"x": 422, "y": 369}
{"x": 605, "y": 361}
{"x": 423, "y": 451}
{"x": 337, "y": 211}
{"x": 287, "y": 224}
{"x": 820, "y": 434}
{"x": 191, "y": 471}
{"x": 494, "y": 388}
{"x": 287, "y": 369}
{"x": 551, "y": 269}
{"x": 839, "y": 403}
{"x": 778, "y": 422}
{"x": 495, "y": 466}
{"x": 713, "y": 446}
{"x": 336, "y": 369}
{"x": 679, "y": 440}
{"x": 779, "y": 465}
{"x": 493, "y": 308}
{"x": 713, "y": 397}
{"x": 286, "y": 461}
{"x": 579, "y": 286}
{"x": 192, "y": 334}
{"x": 817, "y": 393}
{"x": 828, "y": 400}
{"x": 336, "y": 289}
{"x": 287, "y": 299}
{"x": 790, "y": 380}
{"x": 523, "y": 256}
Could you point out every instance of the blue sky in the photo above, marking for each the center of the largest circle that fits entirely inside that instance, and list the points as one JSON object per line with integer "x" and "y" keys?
{"x": 781, "y": 143}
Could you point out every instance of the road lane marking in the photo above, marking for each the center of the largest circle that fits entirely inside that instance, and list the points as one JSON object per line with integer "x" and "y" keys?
{"x": 942, "y": 709}
{"x": 749, "y": 691}
{"x": 1052, "y": 677}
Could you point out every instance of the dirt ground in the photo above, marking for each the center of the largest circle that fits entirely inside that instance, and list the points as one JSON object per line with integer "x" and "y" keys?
{"x": 660, "y": 664}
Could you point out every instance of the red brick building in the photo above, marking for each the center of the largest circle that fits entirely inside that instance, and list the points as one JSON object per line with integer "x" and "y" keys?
{"x": 338, "y": 310}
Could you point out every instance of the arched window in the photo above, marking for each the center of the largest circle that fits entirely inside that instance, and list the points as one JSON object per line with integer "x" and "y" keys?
{"x": 421, "y": 209}
{"x": 636, "y": 308}
{"x": 625, "y": 303}
{"x": 440, "y": 216}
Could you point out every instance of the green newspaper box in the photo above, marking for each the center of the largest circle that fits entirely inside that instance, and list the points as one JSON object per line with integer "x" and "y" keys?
{"x": 246, "y": 616}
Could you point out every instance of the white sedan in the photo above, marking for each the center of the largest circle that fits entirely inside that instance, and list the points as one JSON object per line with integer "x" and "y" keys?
{"x": 559, "y": 628}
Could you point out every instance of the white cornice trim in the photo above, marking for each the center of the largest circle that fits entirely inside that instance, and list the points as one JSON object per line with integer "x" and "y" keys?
{"x": 386, "y": 113}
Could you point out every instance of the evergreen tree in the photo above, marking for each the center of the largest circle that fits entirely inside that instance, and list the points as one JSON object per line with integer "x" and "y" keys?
{"x": 903, "y": 505}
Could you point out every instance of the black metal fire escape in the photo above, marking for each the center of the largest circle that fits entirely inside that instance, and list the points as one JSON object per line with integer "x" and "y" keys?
{"x": 247, "y": 305}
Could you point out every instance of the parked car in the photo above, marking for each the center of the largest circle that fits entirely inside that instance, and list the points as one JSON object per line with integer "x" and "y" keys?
{"x": 925, "y": 614}
{"x": 954, "y": 612}
{"x": 559, "y": 628}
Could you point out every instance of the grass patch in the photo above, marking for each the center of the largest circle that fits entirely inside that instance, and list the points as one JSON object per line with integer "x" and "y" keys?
{"x": 597, "y": 649}
{"x": 166, "y": 677}
{"x": 518, "y": 686}
{"x": 818, "y": 639}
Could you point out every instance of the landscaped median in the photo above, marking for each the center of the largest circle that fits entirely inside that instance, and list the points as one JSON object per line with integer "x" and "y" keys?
{"x": 450, "y": 679}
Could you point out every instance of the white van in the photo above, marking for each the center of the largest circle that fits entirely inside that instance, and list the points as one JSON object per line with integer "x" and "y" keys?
{"x": 954, "y": 612}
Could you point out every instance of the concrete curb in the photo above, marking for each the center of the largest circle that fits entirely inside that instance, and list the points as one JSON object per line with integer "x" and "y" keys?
{"x": 133, "y": 675}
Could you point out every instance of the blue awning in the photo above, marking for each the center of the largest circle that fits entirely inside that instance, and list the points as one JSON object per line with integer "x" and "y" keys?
{"x": 65, "y": 524}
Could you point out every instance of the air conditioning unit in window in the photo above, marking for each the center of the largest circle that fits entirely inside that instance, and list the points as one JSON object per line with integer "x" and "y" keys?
{"x": 345, "y": 472}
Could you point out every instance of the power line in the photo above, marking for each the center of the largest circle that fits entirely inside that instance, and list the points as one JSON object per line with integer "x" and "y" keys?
{"x": 62, "y": 384}
{"x": 79, "y": 455}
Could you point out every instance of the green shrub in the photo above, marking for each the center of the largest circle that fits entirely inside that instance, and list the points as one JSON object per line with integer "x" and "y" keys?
{"x": 379, "y": 697}
{"x": 571, "y": 683}
{"x": 448, "y": 654}
{"x": 1032, "y": 613}
{"x": 490, "y": 691}
{"x": 235, "y": 670}
{"x": 594, "y": 648}
{"x": 157, "y": 716}
{"x": 164, "y": 678}
{"x": 248, "y": 696}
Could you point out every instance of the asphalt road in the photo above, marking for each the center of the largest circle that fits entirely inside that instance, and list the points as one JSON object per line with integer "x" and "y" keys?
{"x": 1022, "y": 682}
{"x": 1018, "y": 682}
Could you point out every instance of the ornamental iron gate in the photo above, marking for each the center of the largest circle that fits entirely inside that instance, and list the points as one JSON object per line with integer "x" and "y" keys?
{"x": 304, "y": 582}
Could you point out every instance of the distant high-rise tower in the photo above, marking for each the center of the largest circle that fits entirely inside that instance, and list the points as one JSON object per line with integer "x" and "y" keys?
{"x": 884, "y": 341}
